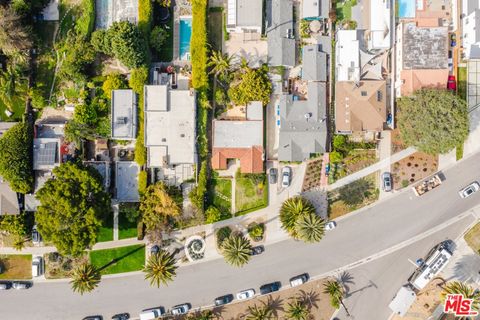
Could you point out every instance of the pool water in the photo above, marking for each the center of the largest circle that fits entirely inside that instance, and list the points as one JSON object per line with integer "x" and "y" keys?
{"x": 406, "y": 8}
{"x": 185, "y": 35}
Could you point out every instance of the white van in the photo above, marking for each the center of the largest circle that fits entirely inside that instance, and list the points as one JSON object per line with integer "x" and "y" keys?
{"x": 151, "y": 314}
{"x": 37, "y": 266}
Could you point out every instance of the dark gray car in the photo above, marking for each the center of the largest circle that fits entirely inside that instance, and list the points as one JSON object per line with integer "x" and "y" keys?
{"x": 272, "y": 175}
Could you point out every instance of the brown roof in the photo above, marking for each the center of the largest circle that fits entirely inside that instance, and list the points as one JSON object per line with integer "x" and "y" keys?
{"x": 251, "y": 159}
{"x": 413, "y": 80}
{"x": 360, "y": 107}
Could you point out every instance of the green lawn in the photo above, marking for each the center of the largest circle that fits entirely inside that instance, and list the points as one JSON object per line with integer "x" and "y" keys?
{"x": 105, "y": 232}
{"x": 118, "y": 260}
{"x": 46, "y": 59}
{"x": 251, "y": 193}
{"x": 17, "y": 266}
{"x": 221, "y": 193}
{"x": 344, "y": 10}
{"x": 462, "y": 83}
{"x": 126, "y": 229}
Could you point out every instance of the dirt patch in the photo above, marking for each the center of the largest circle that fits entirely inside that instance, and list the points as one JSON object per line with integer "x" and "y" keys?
{"x": 313, "y": 175}
{"x": 414, "y": 168}
{"x": 427, "y": 301}
{"x": 319, "y": 303}
{"x": 16, "y": 266}
{"x": 397, "y": 142}
{"x": 60, "y": 267}
{"x": 473, "y": 238}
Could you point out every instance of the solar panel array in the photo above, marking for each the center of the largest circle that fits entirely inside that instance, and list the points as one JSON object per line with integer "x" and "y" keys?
{"x": 46, "y": 153}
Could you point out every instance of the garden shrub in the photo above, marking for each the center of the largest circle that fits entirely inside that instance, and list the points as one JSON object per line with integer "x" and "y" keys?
{"x": 114, "y": 81}
{"x": 222, "y": 234}
{"x": 199, "y": 44}
{"x": 138, "y": 79}
{"x": 212, "y": 214}
{"x": 86, "y": 23}
{"x": 142, "y": 182}
{"x": 158, "y": 36}
{"x": 252, "y": 85}
{"x": 256, "y": 231}
{"x": 145, "y": 13}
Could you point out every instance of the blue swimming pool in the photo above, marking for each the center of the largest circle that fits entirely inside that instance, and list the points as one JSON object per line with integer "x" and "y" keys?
{"x": 406, "y": 8}
{"x": 185, "y": 35}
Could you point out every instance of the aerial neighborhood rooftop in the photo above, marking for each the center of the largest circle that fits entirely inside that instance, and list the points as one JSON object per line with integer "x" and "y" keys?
{"x": 330, "y": 145}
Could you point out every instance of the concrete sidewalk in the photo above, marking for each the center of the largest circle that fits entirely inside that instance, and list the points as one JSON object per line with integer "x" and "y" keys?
{"x": 373, "y": 168}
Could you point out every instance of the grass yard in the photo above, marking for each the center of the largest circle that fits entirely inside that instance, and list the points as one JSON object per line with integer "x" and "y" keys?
{"x": 105, "y": 233}
{"x": 46, "y": 59}
{"x": 353, "y": 196}
{"x": 126, "y": 228}
{"x": 215, "y": 33}
{"x": 472, "y": 237}
{"x": 462, "y": 83}
{"x": 344, "y": 9}
{"x": 251, "y": 193}
{"x": 221, "y": 193}
{"x": 118, "y": 260}
{"x": 17, "y": 266}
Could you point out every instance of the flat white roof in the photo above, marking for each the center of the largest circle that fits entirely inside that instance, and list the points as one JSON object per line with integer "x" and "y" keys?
{"x": 124, "y": 115}
{"x": 348, "y": 56}
{"x": 237, "y": 134}
{"x": 170, "y": 131}
{"x": 380, "y": 24}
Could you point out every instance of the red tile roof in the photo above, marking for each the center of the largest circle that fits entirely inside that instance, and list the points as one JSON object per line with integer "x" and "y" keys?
{"x": 251, "y": 159}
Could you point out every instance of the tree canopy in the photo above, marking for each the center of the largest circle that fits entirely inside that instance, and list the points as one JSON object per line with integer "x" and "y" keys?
{"x": 299, "y": 219}
{"x": 433, "y": 121}
{"x": 72, "y": 206}
{"x": 160, "y": 204}
{"x": 16, "y": 157}
{"x": 114, "y": 81}
{"x": 251, "y": 85}
{"x": 14, "y": 34}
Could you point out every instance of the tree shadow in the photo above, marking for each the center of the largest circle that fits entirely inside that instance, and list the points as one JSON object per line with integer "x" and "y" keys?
{"x": 116, "y": 260}
{"x": 275, "y": 305}
{"x": 365, "y": 287}
{"x": 311, "y": 298}
{"x": 346, "y": 279}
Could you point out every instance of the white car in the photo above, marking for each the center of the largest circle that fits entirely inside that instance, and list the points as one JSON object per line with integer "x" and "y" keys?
{"x": 299, "y": 280}
{"x": 286, "y": 176}
{"x": 180, "y": 309}
{"x": 469, "y": 190}
{"x": 245, "y": 294}
{"x": 151, "y": 314}
{"x": 330, "y": 225}
{"x": 37, "y": 266}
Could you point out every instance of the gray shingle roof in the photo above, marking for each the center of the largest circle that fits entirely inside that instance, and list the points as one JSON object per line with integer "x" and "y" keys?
{"x": 314, "y": 63}
{"x": 303, "y": 125}
{"x": 281, "y": 44}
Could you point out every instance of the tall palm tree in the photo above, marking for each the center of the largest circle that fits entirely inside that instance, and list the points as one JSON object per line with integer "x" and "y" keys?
{"x": 310, "y": 228}
{"x": 291, "y": 210}
{"x": 85, "y": 278}
{"x": 297, "y": 310}
{"x": 236, "y": 249}
{"x": 336, "y": 292}
{"x": 160, "y": 268}
{"x": 457, "y": 287}
{"x": 264, "y": 312}
{"x": 219, "y": 63}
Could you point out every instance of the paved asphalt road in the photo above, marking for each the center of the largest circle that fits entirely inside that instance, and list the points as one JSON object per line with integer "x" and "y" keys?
{"x": 400, "y": 218}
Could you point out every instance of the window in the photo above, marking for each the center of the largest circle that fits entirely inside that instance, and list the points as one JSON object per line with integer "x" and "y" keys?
{"x": 379, "y": 95}
{"x": 164, "y": 140}
{"x": 364, "y": 93}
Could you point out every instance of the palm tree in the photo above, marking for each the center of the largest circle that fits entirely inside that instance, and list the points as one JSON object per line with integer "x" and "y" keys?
{"x": 457, "y": 287}
{"x": 236, "y": 250}
{"x": 336, "y": 293}
{"x": 297, "y": 310}
{"x": 291, "y": 210}
{"x": 219, "y": 63}
{"x": 85, "y": 278}
{"x": 310, "y": 228}
{"x": 243, "y": 66}
{"x": 264, "y": 312}
{"x": 160, "y": 268}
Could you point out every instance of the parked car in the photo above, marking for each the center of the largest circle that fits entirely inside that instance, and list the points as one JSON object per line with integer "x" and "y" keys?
{"x": 154, "y": 249}
{"x": 245, "y": 294}
{"x": 469, "y": 190}
{"x": 152, "y": 313}
{"x": 270, "y": 287}
{"x": 36, "y": 238}
{"x": 387, "y": 182}
{"x": 5, "y": 285}
{"x": 451, "y": 83}
{"x": 330, "y": 225}
{"x": 37, "y": 266}
{"x": 220, "y": 301}
{"x": 121, "y": 316}
{"x": 181, "y": 309}
{"x": 20, "y": 285}
{"x": 272, "y": 175}
{"x": 93, "y": 318}
{"x": 453, "y": 40}
{"x": 257, "y": 250}
{"x": 286, "y": 176}
{"x": 299, "y": 280}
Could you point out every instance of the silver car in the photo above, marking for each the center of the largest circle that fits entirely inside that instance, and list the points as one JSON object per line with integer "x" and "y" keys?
{"x": 469, "y": 190}
{"x": 387, "y": 182}
{"x": 245, "y": 294}
{"x": 180, "y": 309}
{"x": 286, "y": 176}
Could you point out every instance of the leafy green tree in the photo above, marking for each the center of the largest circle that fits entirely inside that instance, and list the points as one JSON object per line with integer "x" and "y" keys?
{"x": 212, "y": 214}
{"x": 236, "y": 250}
{"x": 335, "y": 157}
{"x": 114, "y": 81}
{"x": 158, "y": 36}
{"x": 85, "y": 114}
{"x": 292, "y": 209}
{"x": 263, "y": 312}
{"x": 160, "y": 205}
{"x": 138, "y": 79}
{"x": 310, "y": 228}
{"x": 72, "y": 207}
{"x": 76, "y": 131}
{"x": 77, "y": 56}
{"x": 220, "y": 97}
{"x": 219, "y": 64}
{"x": 252, "y": 85}
{"x": 297, "y": 310}
{"x": 101, "y": 41}
{"x": 16, "y": 157}
{"x": 85, "y": 278}
{"x": 12, "y": 85}
{"x": 222, "y": 234}
{"x": 14, "y": 224}
{"x": 468, "y": 292}
{"x": 160, "y": 268}
{"x": 14, "y": 33}
{"x": 336, "y": 292}
{"x": 199, "y": 45}
{"x": 433, "y": 121}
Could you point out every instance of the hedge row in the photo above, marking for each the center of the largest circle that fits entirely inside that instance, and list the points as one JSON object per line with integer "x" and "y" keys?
{"x": 138, "y": 78}
{"x": 145, "y": 14}
{"x": 198, "y": 44}
{"x": 86, "y": 23}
